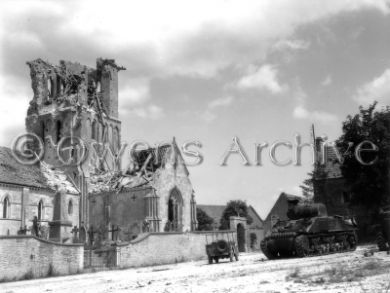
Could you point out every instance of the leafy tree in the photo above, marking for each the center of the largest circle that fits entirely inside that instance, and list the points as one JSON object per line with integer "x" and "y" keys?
{"x": 369, "y": 182}
{"x": 205, "y": 222}
{"x": 307, "y": 186}
{"x": 237, "y": 208}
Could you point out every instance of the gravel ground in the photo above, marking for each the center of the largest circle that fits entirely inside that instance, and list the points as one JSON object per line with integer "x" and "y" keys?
{"x": 344, "y": 272}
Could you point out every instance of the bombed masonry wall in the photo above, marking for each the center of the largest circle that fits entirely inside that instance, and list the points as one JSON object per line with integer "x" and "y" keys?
{"x": 73, "y": 100}
{"x": 130, "y": 204}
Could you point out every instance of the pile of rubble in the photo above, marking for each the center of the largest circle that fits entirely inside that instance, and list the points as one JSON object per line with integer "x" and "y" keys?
{"x": 57, "y": 179}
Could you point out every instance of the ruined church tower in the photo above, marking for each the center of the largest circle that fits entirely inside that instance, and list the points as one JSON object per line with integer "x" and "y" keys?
{"x": 74, "y": 111}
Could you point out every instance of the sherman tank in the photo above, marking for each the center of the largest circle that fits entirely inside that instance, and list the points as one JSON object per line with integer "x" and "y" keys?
{"x": 383, "y": 234}
{"x": 309, "y": 231}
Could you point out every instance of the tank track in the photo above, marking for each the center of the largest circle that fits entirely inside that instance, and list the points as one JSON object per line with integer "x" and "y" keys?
{"x": 381, "y": 242}
{"x": 266, "y": 252}
{"x": 316, "y": 244}
{"x": 323, "y": 244}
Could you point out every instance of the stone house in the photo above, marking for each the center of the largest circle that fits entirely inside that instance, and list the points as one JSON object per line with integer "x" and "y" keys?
{"x": 330, "y": 189}
{"x": 278, "y": 211}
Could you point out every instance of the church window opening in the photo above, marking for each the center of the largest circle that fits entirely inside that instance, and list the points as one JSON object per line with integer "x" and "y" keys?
{"x": 6, "y": 208}
{"x": 175, "y": 211}
{"x": 70, "y": 207}
{"x": 40, "y": 210}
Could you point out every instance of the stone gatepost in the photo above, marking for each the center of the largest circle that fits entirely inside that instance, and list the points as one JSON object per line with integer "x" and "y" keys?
{"x": 60, "y": 226}
{"x": 239, "y": 225}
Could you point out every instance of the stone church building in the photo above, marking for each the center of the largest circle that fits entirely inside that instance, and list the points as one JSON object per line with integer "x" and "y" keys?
{"x": 78, "y": 179}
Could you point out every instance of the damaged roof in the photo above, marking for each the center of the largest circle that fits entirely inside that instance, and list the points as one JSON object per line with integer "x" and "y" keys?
{"x": 12, "y": 172}
{"x": 38, "y": 175}
{"x": 147, "y": 162}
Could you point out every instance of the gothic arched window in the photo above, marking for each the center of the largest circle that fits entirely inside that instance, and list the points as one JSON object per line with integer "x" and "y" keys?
{"x": 40, "y": 210}
{"x": 70, "y": 207}
{"x": 6, "y": 208}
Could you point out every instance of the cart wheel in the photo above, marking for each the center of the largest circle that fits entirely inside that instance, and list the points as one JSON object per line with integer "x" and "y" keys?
{"x": 210, "y": 260}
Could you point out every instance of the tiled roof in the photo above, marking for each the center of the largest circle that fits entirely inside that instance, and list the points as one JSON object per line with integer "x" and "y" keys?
{"x": 39, "y": 176}
{"x": 216, "y": 211}
{"x": 12, "y": 172}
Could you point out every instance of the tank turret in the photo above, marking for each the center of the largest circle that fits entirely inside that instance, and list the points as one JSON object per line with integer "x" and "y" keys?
{"x": 301, "y": 211}
{"x": 309, "y": 231}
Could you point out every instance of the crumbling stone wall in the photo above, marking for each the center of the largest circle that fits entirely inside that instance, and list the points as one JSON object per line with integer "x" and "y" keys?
{"x": 73, "y": 100}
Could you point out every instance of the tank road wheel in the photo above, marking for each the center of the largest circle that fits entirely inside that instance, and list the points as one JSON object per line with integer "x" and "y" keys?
{"x": 265, "y": 250}
{"x": 381, "y": 241}
{"x": 352, "y": 239}
{"x": 346, "y": 244}
{"x": 302, "y": 246}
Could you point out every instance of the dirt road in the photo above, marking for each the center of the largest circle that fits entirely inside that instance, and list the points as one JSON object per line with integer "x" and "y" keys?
{"x": 346, "y": 272}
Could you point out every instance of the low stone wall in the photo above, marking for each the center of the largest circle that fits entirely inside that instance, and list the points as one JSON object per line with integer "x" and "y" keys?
{"x": 26, "y": 257}
{"x": 100, "y": 258}
{"x": 166, "y": 248}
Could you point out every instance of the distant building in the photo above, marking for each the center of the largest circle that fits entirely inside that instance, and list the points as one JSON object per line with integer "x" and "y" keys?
{"x": 255, "y": 228}
{"x": 331, "y": 189}
{"x": 278, "y": 211}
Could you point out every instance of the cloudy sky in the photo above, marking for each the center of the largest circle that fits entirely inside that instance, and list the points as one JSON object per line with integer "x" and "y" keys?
{"x": 210, "y": 70}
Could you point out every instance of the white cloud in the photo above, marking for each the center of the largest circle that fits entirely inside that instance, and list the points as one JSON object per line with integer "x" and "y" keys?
{"x": 292, "y": 45}
{"x": 262, "y": 78}
{"x": 221, "y": 102}
{"x": 300, "y": 112}
{"x": 135, "y": 99}
{"x": 210, "y": 115}
{"x": 14, "y": 104}
{"x": 152, "y": 111}
{"x": 135, "y": 92}
{"x": 327, "y": 81}
{"x": 238, "y": 31}
{"x": 376, "y": 90}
